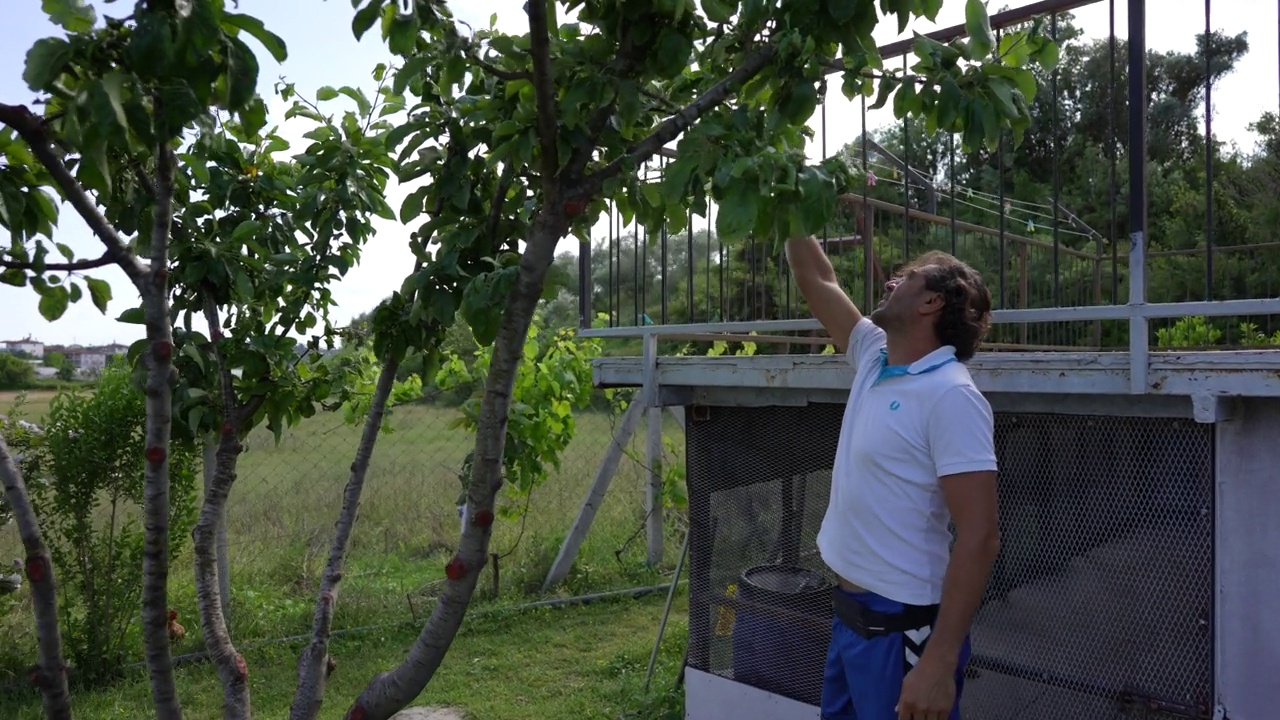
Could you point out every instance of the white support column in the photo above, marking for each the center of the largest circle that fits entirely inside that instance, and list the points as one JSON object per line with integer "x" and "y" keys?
{"x": 1138, "y": 349}
{"x": 653, "y": 455}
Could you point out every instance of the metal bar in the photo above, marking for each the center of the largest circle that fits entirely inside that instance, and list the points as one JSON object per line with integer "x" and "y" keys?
{"x": 1143, "y": 312}
{"x": 952, "y": 169}
{"x": 1138, "y": 341}
{"x": 906, "y": 177}
{"x": 999, "y": 21}
{"x": 1208, "y": 153}
{"x": 1111, "y": 151}
{"x": 1057, "y": 180}
{"x": 689, "y": 308}
{"x": 868, "y": 245}
{"x": 585, "y": 284}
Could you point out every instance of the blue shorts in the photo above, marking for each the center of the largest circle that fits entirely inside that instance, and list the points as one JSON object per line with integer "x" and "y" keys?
{"x": 863, "y": 678}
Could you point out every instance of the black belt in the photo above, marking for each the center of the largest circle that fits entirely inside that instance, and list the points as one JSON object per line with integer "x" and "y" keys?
{"x": 869, "y": 623}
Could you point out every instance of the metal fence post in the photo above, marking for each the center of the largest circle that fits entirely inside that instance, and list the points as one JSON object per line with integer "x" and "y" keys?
{"x": 1138, "y": 341}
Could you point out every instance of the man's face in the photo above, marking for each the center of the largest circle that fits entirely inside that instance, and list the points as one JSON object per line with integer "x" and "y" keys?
{"x": 903, "y": 296}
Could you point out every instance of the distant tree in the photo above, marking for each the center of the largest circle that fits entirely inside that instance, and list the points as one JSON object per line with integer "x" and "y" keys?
{"x": 15, "y": 373}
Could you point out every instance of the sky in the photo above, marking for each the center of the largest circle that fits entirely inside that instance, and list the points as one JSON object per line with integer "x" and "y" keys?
{"x": 323, "y": 51}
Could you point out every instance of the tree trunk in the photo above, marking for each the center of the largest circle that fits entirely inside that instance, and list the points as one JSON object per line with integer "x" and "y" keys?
{"x": 229, "y": 663}
{"x": 313, "y": 663}
{"x": 51, "y": 674}
{"x": 389, "y": 692}
{"x": 159, "y": 404}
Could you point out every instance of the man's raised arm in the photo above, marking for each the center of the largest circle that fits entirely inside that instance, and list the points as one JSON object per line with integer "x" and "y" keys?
{"x": 816, "y": 279}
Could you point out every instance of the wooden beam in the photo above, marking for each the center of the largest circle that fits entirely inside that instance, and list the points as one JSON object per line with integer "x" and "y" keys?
{"x": 595, "y": 496}
{"x": 1245, "y": 373}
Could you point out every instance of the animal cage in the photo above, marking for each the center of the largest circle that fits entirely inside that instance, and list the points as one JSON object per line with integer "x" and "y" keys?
{"x": 1108, "y": 524}
{"x": 1138, "y": 561}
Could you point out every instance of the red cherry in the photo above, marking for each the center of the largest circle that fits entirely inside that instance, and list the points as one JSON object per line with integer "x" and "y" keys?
{"x": 163, "y": 350}
{"x": 483, "y": 518}
{"x": 327, "y": 598}
{"x": 455, "y": 570}
{"x": 357, "y": 713}
{"x": 227, "y": 429}
{"x": 242, "y": 668}
{"x": 155, "y": 455}
{"x": 575, "y": 206}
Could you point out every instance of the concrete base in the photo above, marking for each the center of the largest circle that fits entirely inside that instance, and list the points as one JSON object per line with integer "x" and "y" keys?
{"x": 708, "y": 696}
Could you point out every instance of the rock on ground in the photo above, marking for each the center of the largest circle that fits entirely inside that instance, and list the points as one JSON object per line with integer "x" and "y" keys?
{"x": 429, "y": 713}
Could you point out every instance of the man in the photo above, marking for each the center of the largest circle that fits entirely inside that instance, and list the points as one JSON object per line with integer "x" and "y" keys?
{"x": 916, "y": 451}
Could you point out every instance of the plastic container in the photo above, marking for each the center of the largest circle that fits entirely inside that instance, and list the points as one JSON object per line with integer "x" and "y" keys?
{"x": 781, "y": 630}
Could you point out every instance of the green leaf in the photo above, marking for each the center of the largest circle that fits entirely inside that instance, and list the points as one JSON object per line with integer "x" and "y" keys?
{"x": 75, "y": 293}
{"x": 737, "y": 212}
{"x": 242, "y": 74}
{"x": 888, "y": 84}
{"x": 365, "y": 18}
{"x": 133, "y": 316}
{"x": 930, "y": 9}
{"x": 72, "y": 15}
{"x": 978, "y": 26}
{"x": 252, "y": 25}
{"x": 45, "y": 62}
{"x": 842, "y": 11}
{"x": 720, "y": 11}
{"x": 53, "y": 302}
{"x": 326, "y": 93}
{"x": 99, "y": 292}
{"x": 245, "y": 229}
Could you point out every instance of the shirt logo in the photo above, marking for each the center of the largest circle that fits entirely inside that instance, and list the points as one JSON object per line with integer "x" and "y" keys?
{"x": 895, "y": 405}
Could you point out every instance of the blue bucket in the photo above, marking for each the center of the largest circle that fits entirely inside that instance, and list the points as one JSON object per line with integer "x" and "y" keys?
{"x": 781, "y": 630}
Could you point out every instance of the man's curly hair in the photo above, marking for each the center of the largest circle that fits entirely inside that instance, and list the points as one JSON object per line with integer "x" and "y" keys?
{"x": 966, "y": 301}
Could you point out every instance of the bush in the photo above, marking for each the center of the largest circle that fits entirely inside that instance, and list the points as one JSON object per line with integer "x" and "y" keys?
{"x": 87, "y": 469}
{"x": 15, "y": 373}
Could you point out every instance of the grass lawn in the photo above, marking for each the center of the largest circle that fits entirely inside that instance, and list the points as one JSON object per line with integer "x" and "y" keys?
{"x": 580, "y": 662}
{"x": 280, "y": 523}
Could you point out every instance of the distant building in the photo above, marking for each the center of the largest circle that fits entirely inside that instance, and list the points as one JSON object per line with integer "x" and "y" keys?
{"x": 30, "y": 346}
{"x": 87, "y": 361}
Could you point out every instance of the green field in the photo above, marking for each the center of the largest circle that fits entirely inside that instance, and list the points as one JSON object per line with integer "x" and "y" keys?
{"x": 280, "y": 520}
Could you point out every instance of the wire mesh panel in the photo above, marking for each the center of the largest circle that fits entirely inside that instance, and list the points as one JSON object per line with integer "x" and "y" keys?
{"x": 1100, "y": 602}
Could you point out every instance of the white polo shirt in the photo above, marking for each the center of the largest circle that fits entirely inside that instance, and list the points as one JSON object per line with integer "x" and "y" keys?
{"x": 886, "y": 527}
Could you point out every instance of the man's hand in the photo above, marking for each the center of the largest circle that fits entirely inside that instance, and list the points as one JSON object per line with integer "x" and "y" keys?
{"x": 928, "y": 692}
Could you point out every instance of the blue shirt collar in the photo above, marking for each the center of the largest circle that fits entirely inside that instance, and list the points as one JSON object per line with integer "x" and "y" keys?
{"x": 934, "y": 360}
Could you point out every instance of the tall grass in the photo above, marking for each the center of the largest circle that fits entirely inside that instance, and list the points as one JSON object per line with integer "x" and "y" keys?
{"x": 285, "y": 502}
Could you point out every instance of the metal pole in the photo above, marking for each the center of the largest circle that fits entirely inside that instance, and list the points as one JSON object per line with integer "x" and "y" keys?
{"x": 666, "y": 612}
{"x": 1138, "y": 361}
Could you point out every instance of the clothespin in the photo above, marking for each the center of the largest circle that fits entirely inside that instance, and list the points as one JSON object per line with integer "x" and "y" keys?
{"x": 1031, "y": 225}
{"x": 871, "y": 178}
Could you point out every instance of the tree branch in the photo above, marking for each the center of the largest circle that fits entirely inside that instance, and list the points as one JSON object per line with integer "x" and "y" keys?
{"x": 107, "y": 258}
{"x": 30, "y": 128}
{"x": 671, "y": 128}
{"x": 51, "y": 674}
{"x": 544, "y": 90}
{"x": 494, "y": 70}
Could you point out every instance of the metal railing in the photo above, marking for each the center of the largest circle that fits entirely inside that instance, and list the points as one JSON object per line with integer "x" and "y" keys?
{"x": 1079, "y": 259}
